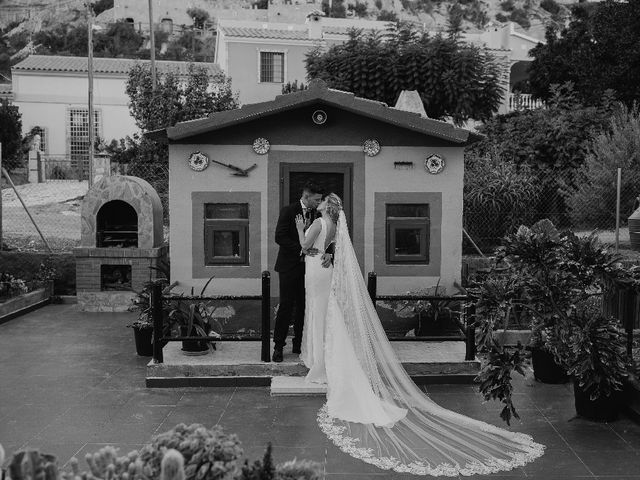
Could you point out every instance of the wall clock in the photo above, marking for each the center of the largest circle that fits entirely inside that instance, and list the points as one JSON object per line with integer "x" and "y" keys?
{"x": 434, "y": 164}
{"x": 319, "y": 117}
{"x": 371, "y": 147}
{"x": 198, "y": 161}
{"x": 261, "y": 145}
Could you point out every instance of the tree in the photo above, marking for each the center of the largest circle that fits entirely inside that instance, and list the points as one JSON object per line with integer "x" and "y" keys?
{"x": 177, "y": 100}
{"x": 120, "y": 40}
{"x": 594, "y": 203}
{"x": 174, "y": 100}
{"x": 599, "y": 50}
{"x": 454, "y": 79}
{"x": 10, "y": 135}
{"x": 199, "y": 16}
{"x": 387, "y": 16}
{"x": 337, "y": 9}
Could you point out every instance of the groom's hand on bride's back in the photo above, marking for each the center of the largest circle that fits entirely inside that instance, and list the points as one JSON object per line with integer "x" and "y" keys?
{"x": 327, "y": 260}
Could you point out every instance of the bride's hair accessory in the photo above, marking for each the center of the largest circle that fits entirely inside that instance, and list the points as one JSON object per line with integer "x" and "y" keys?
{"x": 334, "y": 206}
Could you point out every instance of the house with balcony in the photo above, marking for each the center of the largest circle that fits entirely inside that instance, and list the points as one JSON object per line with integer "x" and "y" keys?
{"x": 260, "y": 57}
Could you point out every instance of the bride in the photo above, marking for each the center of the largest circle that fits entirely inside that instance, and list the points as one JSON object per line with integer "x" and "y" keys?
{"x": 374, "y": 411}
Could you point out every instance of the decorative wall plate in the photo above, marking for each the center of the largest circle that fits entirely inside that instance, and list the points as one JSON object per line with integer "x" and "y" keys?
{"x": 198, "y": 161}
{"x": 319, "y": 117}
{"x": 261, "y": 145}
{"x": 371, "y": 147}
{"x": 434, "y": 164}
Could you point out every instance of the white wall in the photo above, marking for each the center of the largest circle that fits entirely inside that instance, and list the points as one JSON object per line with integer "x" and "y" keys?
{"x": 43, "y": 100}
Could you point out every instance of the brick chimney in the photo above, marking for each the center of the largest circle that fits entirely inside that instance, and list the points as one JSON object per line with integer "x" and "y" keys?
{"x": 410, "y": 101}
{"x": 314, "y": 24}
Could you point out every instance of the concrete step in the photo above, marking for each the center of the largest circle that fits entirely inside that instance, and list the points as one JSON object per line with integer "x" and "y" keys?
{"x": 292, "y": 386}
{"x": 238, "y": 364}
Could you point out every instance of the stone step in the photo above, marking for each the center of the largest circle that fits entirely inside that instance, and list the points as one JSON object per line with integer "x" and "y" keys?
{"x": 238, "y": 364}
{"x": 292, "y": 386}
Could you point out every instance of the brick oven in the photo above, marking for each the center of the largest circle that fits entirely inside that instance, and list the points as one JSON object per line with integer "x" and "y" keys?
{"x": 121, "y": 237}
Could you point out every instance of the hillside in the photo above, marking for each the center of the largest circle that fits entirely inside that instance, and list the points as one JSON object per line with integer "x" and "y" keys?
{"x": 25, "y": 23}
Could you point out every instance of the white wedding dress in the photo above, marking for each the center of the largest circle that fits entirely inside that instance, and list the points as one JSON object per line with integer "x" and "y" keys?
{"x": 374, "y": 411}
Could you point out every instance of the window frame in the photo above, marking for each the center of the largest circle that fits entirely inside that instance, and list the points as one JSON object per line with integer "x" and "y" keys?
{"x": 211, "y": 225}
{"x": 395, "y": 223}
{"x": 283, "y": 52}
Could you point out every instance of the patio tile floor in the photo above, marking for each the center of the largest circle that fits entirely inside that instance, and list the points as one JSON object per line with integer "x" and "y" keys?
{"x": 70, "y": 383}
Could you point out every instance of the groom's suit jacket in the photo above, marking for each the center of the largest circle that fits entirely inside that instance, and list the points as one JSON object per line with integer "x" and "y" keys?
{"x": 289, "y": 254}
{"x": 287, "y": 238}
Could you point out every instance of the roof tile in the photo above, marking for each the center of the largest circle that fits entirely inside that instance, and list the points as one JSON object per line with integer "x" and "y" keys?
{"x": 55, "y": 63}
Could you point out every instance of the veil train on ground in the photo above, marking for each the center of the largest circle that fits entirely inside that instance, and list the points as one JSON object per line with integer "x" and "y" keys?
{"x": 376, "y": 413}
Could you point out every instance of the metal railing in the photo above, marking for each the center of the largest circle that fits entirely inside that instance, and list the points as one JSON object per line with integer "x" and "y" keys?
{"x": 159, "y": 340}
{"x": 523, "y": 101}
{"x": 466, "y": 326}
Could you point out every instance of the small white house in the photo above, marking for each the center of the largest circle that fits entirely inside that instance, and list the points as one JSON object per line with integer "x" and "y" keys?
{"x": 52, "y": 94}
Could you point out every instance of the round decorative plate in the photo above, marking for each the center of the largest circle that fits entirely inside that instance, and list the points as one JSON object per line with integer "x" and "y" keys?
{"x": 319, "y": 117}
{"x": 371, "y": 147}
{"x": 198, "y": 161}
{"x": 261, "y": 145}
{"x": 434, "y": 164}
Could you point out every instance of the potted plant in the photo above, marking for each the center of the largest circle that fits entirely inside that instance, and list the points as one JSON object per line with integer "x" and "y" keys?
{"x": 435, "y": 316}
{"x": 143, "y": 325}
{"x": 592, "y": 348}
{"x": 553, "y": 277}
{"x": 194, "y": 316}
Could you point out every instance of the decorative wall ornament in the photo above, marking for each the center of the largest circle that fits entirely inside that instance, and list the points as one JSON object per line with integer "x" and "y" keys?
{"x": 434, "y": 164}
{"x": 261, "y": 145}
{"x": 198, "y": 161}
{"x": 319, "y": 117}
{"x": 371, "y": 147}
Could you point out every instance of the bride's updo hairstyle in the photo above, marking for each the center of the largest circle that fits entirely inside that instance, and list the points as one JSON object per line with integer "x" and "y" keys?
{"x": 334, "y": 205}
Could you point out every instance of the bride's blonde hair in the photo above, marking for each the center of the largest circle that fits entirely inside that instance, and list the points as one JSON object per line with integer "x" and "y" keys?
{"x": 334, "y": 205}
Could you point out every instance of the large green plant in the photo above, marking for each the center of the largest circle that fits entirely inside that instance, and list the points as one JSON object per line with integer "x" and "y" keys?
{"x": 10, "y": 135}
{"x": 595, "y": 200}
{"x": 553, "y": 276}
{"x": 498, "y": 196}
{"x": 596, "y": 52}
{"x": 453, "y": 79}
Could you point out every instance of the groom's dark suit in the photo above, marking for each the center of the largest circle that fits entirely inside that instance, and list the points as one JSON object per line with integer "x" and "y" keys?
{"x": 290, "y": 268}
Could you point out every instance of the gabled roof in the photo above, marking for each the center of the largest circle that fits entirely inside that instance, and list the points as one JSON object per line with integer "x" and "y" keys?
{"x": 318, "y": 91}
{"x": 55, "y": 63}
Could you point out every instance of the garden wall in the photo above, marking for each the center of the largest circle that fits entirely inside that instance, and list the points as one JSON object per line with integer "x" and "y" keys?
{"x": 25, "y": 265}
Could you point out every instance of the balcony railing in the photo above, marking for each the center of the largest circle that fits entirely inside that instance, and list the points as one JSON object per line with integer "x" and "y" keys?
{"x": 523, "y": 101}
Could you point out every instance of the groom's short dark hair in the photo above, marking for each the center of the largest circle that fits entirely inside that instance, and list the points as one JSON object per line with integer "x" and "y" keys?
{"x": 312, "y": 188}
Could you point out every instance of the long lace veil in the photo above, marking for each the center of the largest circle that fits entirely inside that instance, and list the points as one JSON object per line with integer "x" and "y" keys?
{"x": 429, "y": 440}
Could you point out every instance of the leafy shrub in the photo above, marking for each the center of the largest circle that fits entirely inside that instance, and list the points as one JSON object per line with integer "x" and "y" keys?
{"x": 594, "y": 203}
{"x": 498, "y": 196}
{"x": 550, "y": 6}
{"x": 11, "y": 286}
{"x": 501, "y": 18}
{"x": 520, "y": 17}
{"x": 387, "y": 16}
{"x": 378, "y": 4}
{"x": 508, "y": 5}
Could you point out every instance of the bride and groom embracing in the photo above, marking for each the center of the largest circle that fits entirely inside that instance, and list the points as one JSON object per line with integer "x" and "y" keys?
{"x": 373, "y": 411}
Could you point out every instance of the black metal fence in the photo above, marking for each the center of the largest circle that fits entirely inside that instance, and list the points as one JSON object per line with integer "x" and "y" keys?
{"x": 160, "y": 340}
{"x": 466, "y": 326}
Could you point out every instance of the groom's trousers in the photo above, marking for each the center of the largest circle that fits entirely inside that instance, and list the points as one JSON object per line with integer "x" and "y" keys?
{"x": 291, "y": 302}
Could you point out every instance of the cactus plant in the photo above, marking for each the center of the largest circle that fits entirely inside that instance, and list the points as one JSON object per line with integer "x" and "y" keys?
{"x": 172, "y": 465}
{"x": 32, "y": 465}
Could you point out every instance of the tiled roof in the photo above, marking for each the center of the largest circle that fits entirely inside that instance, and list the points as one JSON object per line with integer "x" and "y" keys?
{"x": 6, "y": 88}
{"x": 335, "y": 30}
{"x": 318, "y": 91}
{"x": 54, "y": 63}
{"x": 253, "y": 32}
{"x": 279, "y": 34}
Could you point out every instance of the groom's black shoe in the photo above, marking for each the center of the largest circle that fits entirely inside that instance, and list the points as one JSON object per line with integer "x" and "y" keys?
{"x": 277, "y": 355}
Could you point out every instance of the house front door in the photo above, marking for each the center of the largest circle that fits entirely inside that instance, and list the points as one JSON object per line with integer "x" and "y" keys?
{"x": 331, "y": 177}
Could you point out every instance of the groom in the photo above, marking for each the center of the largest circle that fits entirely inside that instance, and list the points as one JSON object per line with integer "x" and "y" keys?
{"x": 290, "y": 268}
